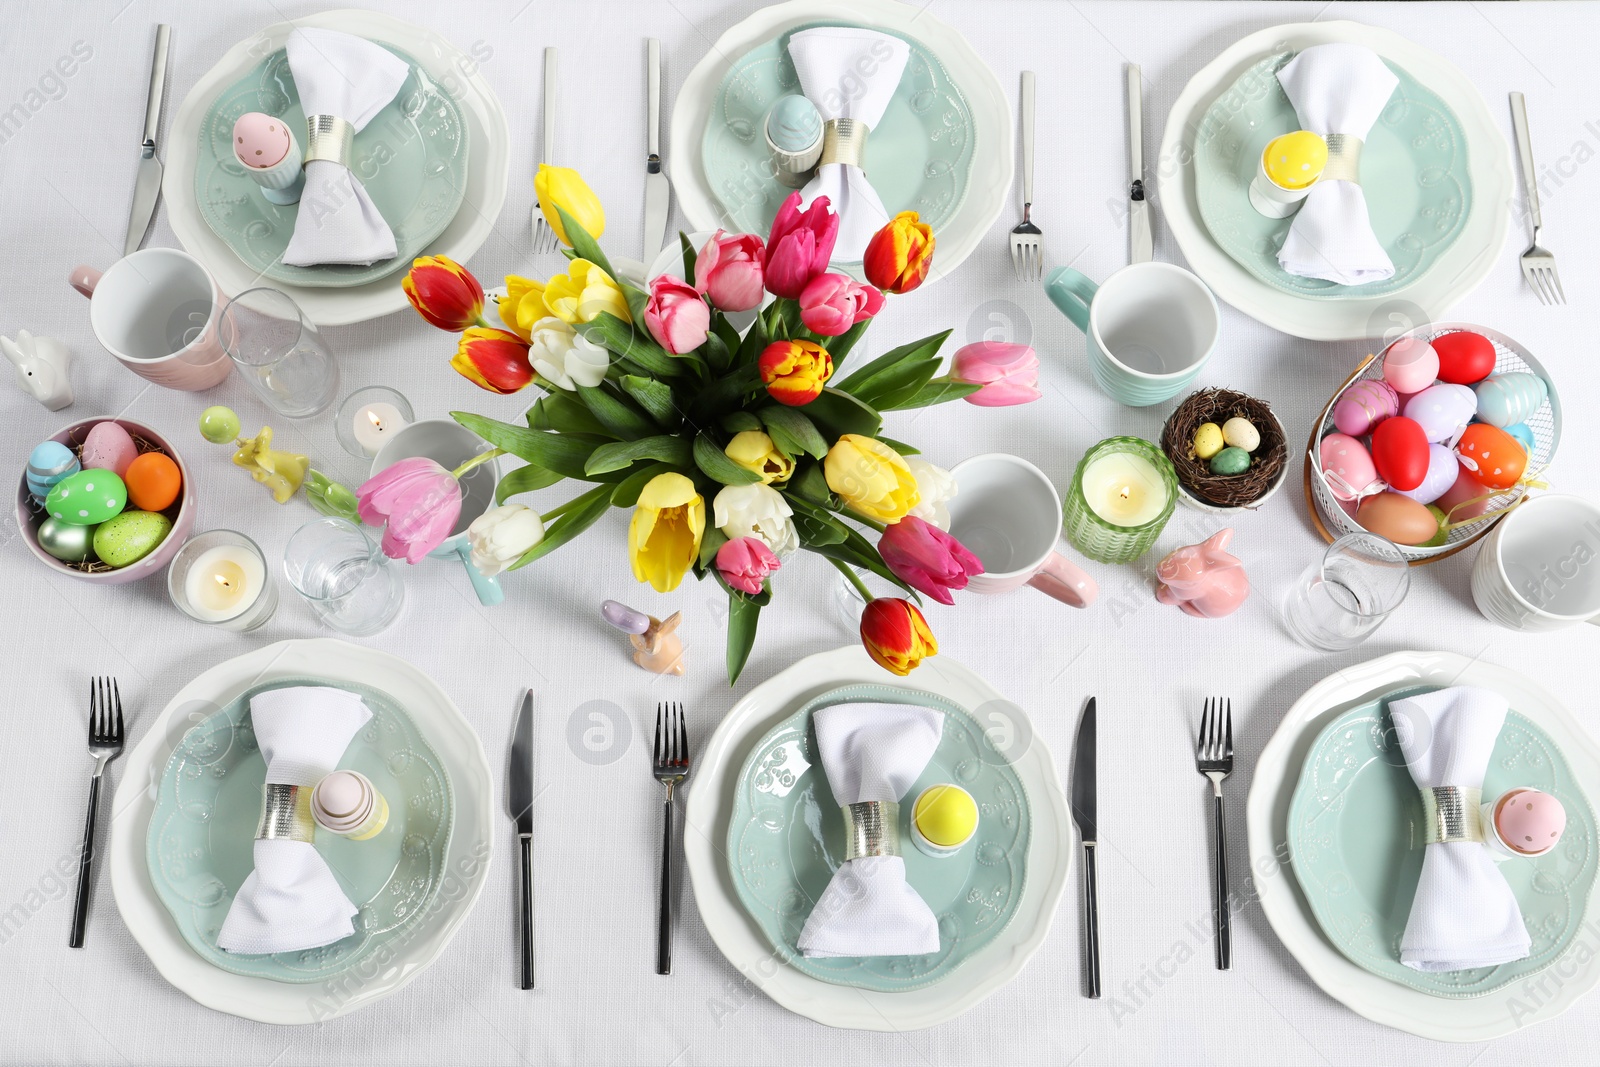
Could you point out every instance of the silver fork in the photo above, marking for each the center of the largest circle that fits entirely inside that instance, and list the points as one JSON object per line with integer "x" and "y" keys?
{"x": 1213, "y": 755}
{"x": 105, "y": 745}
{"x": 544, "y": 236}
{"x": 1027, "y": 240}
{"x": 671, "y": 766}
{"x": 1538, "y": 264}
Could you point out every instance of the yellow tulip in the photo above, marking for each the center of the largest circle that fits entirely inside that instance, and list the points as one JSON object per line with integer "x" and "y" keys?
{"x": 523, "y": 305}
{"x": 581, "y": 294}
{"x": 565, "y": 188}
{"x": 755, "y": 452}
{"x": 664, "y": 536}
{"x": 871, "y": 478}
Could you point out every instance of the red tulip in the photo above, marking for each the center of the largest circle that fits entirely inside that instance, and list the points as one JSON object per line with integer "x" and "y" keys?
{"x": 898, "y": 256}
{"x": 800, "y": 245}
{"x": 493, "y": 359}
{"x": 795, "y": 371}
{"x": 927, "y": 559}
{"x": 896, "y": 635}
{"x": 444, "y": 292}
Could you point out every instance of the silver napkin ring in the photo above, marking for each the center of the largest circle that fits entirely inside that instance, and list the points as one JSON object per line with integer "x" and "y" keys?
{"x": 286, "y": 814}
{"x": 329, "y": 137}
{"x": 1450, "y": 814}
{"x": 1344, "y": 159}
{"x": 871, "y": 828}
{"x": 844, "y": 141}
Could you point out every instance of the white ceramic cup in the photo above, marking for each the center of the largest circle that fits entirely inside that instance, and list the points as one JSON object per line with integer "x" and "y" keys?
{"x": 156, "y": 311}
{"x": 1539, "y": 569}
{"x": 1007, "y": 513}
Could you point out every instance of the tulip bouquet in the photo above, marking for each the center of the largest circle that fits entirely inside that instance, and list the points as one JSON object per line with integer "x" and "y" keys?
{"x": 732, "y": 450}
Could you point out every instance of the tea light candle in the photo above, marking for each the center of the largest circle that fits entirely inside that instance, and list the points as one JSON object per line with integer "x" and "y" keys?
{"x": 369, "y": 417}
{"x": 1121, "y": 497}
{"x": 375, "y": 422}
{"x": 1124, "y": 489}
{"x": 220, "y": 577}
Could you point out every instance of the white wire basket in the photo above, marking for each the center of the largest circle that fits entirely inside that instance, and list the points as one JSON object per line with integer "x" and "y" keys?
{"x": 1335, "y": 518}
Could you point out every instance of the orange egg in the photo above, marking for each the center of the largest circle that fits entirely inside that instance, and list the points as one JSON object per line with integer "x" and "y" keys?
{"x": 153, "y": 482}
{"x": 1399, "y": 518}
{"x": 1495, "y": 458}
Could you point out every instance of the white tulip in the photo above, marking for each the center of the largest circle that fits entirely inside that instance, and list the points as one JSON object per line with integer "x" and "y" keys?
{"x": 565, "y": 358}
{"x": 935, "y": 487}
{"x": 758, "y": 511}
{"x": 501, "y": 536}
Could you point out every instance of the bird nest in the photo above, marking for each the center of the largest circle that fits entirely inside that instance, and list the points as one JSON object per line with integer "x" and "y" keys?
{"x": 1194, "y": 474}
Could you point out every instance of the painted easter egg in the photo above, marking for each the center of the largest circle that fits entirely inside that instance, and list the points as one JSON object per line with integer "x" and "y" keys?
{"x": 260, "y": 141}
{"x": 1241, "y": 433}
{"x": 109, "y": 448}
{"x": 1443, "y": 467}
{"x": 1442, "y": 410}
{"x": 1524, "y": 436}
{"x": 1230, "y": 460}
{"x": 130, "y": 537}
{"x": 48, "y": 464}
{"x": 153, "y": 482}
{"x": 1454, "y": 501}
{"x": 1465, "y": 358}
{"x": 219, "y": 425}
{"x": 1208, "y": 440}
{"x": 1399, "y": 518}
{"x": 66, "y": 542}
{"x": 1530, "y": 821}
{"x": 87, "y": 498}
{"x": 1507, "y": 399}
{"x": 1364, "y": 405}
{"x": 1348, "y": 467}
{"x": 1492, "y": 455}
{"x": 1442, "y": 536}
{"x": 1400, "y": 452}
{"x": 1410, "y": 365}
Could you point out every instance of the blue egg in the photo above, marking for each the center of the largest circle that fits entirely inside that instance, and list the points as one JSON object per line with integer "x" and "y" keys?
{"x": 47, "y": 465}
{"x": 1524, "y": 435}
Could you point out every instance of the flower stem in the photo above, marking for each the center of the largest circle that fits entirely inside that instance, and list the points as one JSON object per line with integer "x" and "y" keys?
{"x": 853, "y": 579}
{"x": 863, "y": 520}
{"x": 480, "y": 458}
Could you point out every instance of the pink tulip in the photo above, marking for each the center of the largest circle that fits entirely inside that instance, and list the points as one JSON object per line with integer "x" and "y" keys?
{"x": 745, "y": 562}
{"x": 832, "y": 303}
{"x": 676, "y": 315}
{"x": 1008, "y": 373}
{"x": 800, "y": 245}
{"x": 731, "y": 270}
{"x": 416, "y": 501}
{"x": 927, "y": 559}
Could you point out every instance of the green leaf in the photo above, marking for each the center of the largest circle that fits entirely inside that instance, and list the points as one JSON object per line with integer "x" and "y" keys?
{"x": 726, "y": 392}
{"x": 620, "y": 418}
{"x": 755, "y": 341}
{"x": 712, "y": 540}
{"x": 849, "y": 551}
{"x": 626, "y": 494}
{"x": 740, "y": 421}
{"x": 619, "y": 455}
{"x": 936, "y": 392}
{"x": 633, "y": 344}
{"x": 816, "y": 527}
{"x": 556, "y": 452}
{"x": 716, "y": 353}
{"x": 655, "y": 397}
{"x": 637, "y": 299}
{"x": 810, "y": 483}
{"x": 792, "y": 432}
{"x": 837, "y": 414}
{"x": 584, "y": 246}
{"x": 743, "y": 614}
{"x": 562, "y": 412}
{"x": 730, "y": 336}
{"x": 688, "y": 257}
{"x": 717, "y": 466}
{"x": 899, "y": 383}
{"x": 899, "y": 446}
{"x": 839, "y": 347}
{"x": 525, "y": 480}
{"x": 926, "y": 349}
{"x": 584, "y": 512}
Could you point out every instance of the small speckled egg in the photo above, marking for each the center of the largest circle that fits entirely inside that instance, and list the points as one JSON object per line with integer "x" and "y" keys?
{"x": 1530, "y": 821}
{"x": 219, "y": 425}
{"x": 153, "y": 482}
{"x": 48, "y": 464}
{"x": 66, "y": 542}
{"x": 1410, "y": 365}
{"x": 1364, "y": 405}
{"x": 259, "y": 140}
{"x": 1241, "y": 433}
{"x": 109, "y": 448}
{"x": 1443, "y": 468}
{"x": 130, "y": 537}
{"x": 1230, "y": 460}
{"x": 1208, "y": 440}
{"x": 1506, "y": 399}
{"x": 1400, "y": 519}
{"x": 1347, "y": 466}
{"x": 87, "y": 498}
{"x": 1523, "y": 433}
{"x": 1442, "y": 410}
{"x": 1295, "y": 160}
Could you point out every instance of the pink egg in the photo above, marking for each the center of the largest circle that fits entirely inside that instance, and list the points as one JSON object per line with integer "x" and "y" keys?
{"x": 1364, "y": 405}
{"x": 260, "y": 140}
{"x": 1443, "y": 467}
{"x": 1347, "y": 465}
{"x": 109, "y": 448}
{"x": 1529, "y": 821}
{"x": 1410, "y": 365}
{"x": 1466, "y": 487}
{"x": 1442, "y": 410}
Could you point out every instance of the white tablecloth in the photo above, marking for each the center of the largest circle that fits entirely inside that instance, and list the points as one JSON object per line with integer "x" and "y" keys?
{"x": 66, "y": 168}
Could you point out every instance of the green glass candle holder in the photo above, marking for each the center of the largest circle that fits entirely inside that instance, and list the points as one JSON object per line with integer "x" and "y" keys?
{"x": 1141, "y": 493}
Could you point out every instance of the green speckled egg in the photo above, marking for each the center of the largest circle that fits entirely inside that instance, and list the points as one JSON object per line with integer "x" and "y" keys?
{"x": 87, "y": 498}
{"x": 1230, "y": 460}
{"x": 65, "y": 541}
{"x": 130, "y": 537}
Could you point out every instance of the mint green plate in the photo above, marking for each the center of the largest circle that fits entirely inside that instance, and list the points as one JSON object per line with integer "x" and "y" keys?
{"x": 411, "y": 158}
{"x": 786, "y": 838}
{"x": 202, "y": 834}
{"x": 919, "y": 157}
{"x": 1355, "y": 838}
{"x": 1413, "y": 171}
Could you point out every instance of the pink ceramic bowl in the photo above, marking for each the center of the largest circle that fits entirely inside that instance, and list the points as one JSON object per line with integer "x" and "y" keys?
{"x": 29, "y": 514}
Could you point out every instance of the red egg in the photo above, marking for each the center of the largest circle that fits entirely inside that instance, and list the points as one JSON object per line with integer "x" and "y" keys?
{"x": 1464, "y": 358}
{"x": 1454, "y": 501}
{"x": 1400, "y": 452}
{"x": 1493, "y": 456}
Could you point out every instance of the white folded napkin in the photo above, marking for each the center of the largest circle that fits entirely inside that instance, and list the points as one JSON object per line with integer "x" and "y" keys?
{"x": 873, "y": 752}
{"x": 848, "y": 73}
{"x": 339, "y": 74}
{"x": 1464, "y": 914}
{"x": 1336, "y": 88}
{"x": 291, "y": 901}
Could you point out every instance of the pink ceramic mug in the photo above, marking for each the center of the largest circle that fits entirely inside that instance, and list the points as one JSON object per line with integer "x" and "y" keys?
{"x": 1009, "y": 515}
{"x": 156, "y": 311}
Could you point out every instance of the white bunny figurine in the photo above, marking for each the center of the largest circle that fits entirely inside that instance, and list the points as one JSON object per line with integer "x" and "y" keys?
{"x": 43, "y": 366}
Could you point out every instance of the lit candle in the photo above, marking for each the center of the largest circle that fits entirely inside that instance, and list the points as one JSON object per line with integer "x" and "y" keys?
{"x": 1124, "y": 489}
{"x": 374, "y": 424}
{"x": 223, "y": 582}
{"x": 1122, "y": 494}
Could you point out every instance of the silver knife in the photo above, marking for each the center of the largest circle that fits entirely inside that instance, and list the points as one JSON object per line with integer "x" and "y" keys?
{"x": 656, "y": 188}
{"x": 1083, "y": 813}
{"x": 519, "y": 797}
{"x": 147, "y": 186}
{"x": 1138, "y": 207}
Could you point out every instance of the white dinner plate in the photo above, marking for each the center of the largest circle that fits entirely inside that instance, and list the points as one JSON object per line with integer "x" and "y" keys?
{"x": 466, "y": 862}
{"x": 488, "y": 154}
{"x": 741, "y": 940}
{"x": 1276, "y": 775}
{"x": 1436, "y": 291}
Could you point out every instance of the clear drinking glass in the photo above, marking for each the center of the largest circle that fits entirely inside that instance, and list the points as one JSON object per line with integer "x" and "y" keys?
{"x": 279, "y": 352}
{"x": 1340, "y": 601}
{"x": 347, "y": 581}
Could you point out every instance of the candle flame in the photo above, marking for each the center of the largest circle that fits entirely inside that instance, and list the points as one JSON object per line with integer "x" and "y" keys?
{"x": 1126, "y": 492}
{"x": 223, "y": 581}
{"x": 376, "y": 422}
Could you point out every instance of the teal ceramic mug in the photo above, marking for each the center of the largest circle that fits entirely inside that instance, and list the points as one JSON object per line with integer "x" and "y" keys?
{"x": 1150, "y": 327}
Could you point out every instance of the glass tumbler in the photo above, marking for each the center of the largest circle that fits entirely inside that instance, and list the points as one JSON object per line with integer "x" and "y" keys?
{"x": 279, "y": 352}
{"x": 1339, "y": 602}
{"x": 349, "y": 583}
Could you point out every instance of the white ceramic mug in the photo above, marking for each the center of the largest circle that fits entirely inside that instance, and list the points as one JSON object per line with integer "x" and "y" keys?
{"x": 1539, "y": 570}
{"x": 1007, "y": 513}
{"x": 156, "y": 311}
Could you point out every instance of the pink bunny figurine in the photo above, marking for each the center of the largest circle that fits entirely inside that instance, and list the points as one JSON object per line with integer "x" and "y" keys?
{"x": 1204, "y": 580}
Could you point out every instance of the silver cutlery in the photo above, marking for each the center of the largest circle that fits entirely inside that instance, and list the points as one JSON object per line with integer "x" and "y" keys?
{"x": 147, "y": 184}
{"x": 1084, "y": 810}
{"x": 1213, "y": 755}
{"x": 105, "y": 745}
{"x": 1538, "y": 264}
{"x": 657, "y": 190}
{"x": 1139, "y": 242}
{"x": 1027, "y": 241}
{"x": 545, "y": 240}
{"x": 671, "y": 766}
{"x": 519, "y": 798}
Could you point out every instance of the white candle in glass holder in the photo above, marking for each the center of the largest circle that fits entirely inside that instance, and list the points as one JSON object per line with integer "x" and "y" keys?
{"x": 1124, "y": 489}
{"x": 374, "y": 423}
{"x": 223, "y": 582}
